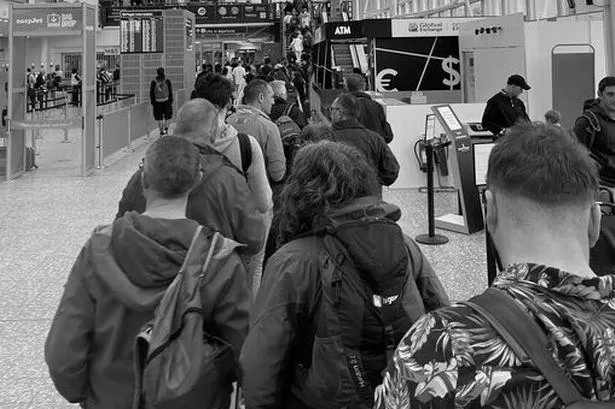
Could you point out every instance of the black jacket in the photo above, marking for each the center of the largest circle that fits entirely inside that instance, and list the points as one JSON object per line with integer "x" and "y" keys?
{"x": 282, "y": 320}
{"x": 503, "y": 111}
{"x": 372, "y": 116}
{"x": 281, "y": 106}
{"x": 372, "y": 145}
{"x": 221, "y": 200}
{"x": 599, "y": 137}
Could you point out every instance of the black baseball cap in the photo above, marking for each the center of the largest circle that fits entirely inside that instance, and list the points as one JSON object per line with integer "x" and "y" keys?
{"x": 518, "y": 80}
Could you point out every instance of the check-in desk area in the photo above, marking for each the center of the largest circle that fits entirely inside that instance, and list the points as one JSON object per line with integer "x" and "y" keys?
{"x": 408, "y": 124}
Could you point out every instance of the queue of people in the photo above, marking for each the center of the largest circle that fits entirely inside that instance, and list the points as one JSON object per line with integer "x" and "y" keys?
{"x": 316, "y": 295}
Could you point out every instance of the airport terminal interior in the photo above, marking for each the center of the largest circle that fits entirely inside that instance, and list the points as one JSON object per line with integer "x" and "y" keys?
{"x": 80, "y": 91}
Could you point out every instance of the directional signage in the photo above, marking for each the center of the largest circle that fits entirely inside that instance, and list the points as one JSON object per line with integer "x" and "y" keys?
{"x": 46, "y": 21}
{"x": 229, "y": 13}
{"x": 203, "y": 14}
{"x": 255, "y": 12}
{"x": 189, "y": 34}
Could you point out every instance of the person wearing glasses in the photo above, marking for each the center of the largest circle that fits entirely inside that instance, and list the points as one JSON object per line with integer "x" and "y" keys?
{"x": 349, "y": 130}
{"x": 120, "y": 277}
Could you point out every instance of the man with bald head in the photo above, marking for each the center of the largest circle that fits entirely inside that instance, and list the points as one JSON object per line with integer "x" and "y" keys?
{"x": 222, "y": 198}
{"x": 252, "y": 118}
{"x": 282, "y": 106}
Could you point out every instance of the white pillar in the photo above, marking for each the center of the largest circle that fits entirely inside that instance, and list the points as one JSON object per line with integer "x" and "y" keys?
{"x": 45, "y": 52}
{"x": 609, "y": 36}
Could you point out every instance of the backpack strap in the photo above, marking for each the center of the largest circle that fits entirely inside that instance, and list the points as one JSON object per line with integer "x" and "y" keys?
{"x": 245, "y": 149}
{"x": 525, "y": 337}
{"x": 289, "y": 108}
{"x": 331, "y": 276}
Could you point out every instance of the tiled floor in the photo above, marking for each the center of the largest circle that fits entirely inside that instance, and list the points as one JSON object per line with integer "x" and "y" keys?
{"x": 46, "y": 216}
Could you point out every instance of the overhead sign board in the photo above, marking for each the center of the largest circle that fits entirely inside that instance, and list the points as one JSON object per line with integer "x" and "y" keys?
{"x": 189, "y": 34}
{"x": 255, "y": 12}
{"x": 208, "y": 13}
{"x": 418, "y": 64}
{"x": 229, "y": 13}
{"x": 427, "y": 27}
{"x": 205, "y": 33}
{"x": 343, "y": 30}
{"x": 46, "y": 21}
{"x": 203, "y": 14}
{"x": 141, "y": 32}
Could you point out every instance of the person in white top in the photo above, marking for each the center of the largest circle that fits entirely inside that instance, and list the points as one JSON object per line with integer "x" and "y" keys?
{"x": 239, "y": 80}
{"x": 297, "y": 45}
{"x": 305, "y": 18}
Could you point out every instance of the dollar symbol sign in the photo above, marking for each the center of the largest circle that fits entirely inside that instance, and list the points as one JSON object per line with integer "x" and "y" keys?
{"x": 453, "y": 75}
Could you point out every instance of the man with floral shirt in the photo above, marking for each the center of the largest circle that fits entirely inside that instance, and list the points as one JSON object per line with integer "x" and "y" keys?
{"x": 542, "y": 218}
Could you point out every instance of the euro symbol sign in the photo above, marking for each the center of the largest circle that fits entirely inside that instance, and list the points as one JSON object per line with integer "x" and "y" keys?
{"x": 453, "y": 75}
{"x": 382, "y": 83}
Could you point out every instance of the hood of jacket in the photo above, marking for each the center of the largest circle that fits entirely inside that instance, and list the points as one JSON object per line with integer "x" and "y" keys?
{"x": 594, "y": 106}
{"x": 377, "y": 250}
{"x": 226, "y": 140}
{"x": 348, "y": 124}
{"x": 361, "y": 95}
{"x": 248, "y": 110}
{"x": 138, "y": 257}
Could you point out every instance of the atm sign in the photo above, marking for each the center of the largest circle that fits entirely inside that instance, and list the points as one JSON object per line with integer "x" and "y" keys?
{"x": 343, "y": 30}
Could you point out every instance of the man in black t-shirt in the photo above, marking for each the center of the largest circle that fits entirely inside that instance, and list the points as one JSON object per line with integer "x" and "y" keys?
{"x": 505, "y": 109}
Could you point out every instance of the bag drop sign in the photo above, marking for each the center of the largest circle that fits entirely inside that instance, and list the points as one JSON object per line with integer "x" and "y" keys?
{"x": 47, "y": 21}
{"x": 418, "y": 64}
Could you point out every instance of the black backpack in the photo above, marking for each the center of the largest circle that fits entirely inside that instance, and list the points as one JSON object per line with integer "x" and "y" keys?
{"x": 290, "y": 133}
{"x": 40, "y": 81}
{"x": 360, "y": 318}
{"x": 178, "y": 362}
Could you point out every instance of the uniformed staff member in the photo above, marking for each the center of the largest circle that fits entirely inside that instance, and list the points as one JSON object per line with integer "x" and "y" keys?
{"x": 505, "y": 109}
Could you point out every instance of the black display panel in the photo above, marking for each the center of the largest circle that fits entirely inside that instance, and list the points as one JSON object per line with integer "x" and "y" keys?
{"x": 141, "y": 32}
{"x": 418, "y": 64}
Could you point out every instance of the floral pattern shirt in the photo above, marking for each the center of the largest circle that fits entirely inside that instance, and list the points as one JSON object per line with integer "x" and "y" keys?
{"x": 451, "y": 358}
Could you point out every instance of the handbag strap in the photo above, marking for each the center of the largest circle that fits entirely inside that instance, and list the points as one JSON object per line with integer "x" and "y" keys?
{"x": 525, "y": 337}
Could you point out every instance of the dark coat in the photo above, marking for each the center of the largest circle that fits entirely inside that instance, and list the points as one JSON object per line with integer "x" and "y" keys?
{"x": 281, "y": 106}
{"x": 221, "y": 200}
{"x": 372, "y": 145}
{"x": 113, "y": 289}
{"x": 602, "y": 144}
{"x": 371, "y": 115}
{"x": 503, "y": 111}
{"x": 282, "y": 323}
